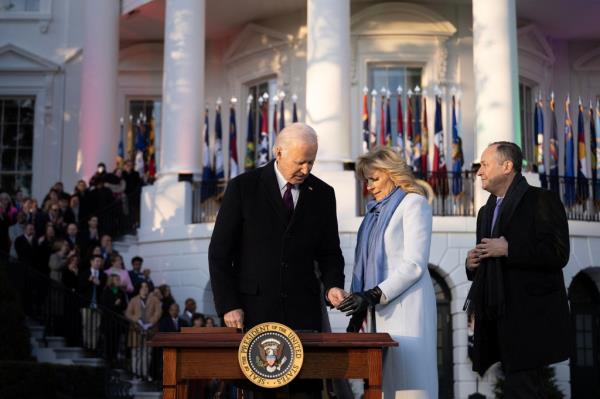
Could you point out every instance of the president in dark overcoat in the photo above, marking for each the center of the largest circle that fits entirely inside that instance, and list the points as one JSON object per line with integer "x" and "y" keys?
{"x": 275, "y": 244}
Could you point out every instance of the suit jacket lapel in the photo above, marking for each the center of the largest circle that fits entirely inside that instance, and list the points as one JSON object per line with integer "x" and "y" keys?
{"x": 269, "y": 181}
{"x": 306, "y": 191}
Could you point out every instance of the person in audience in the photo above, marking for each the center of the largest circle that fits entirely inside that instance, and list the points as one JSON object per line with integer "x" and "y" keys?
{"x": 5, "y": 222}
{"x": 53, "y": 216}
{"x": 107, "y": 250}
{"x": 189, "y": 310}
{"x": 90, "y": 237}
{"x": 133, "y": 189}
{"x": 170, "y": 321}
{"x": 71, "y": 236}
{"x": 114, "y": 301}
{"x": 117, "y": 268}
{"x": 138, "y": 276}
{"x": 100, "y": 201}
{"x": 70, "y": 275}
{"x": 58, "y": 260}
{"x": 71, "y": 326}
{"x": 144, "y": 312}
{"x": 18, "y": 199}
{"x": 91, "y": 284}
{"x": 166, "y": 297}
{"x": 210, "y": 322}
{"x": 198, "y": 320}
{"x": 45, "y": 243}
{"x": 7, "y": 207}
{"x": 81, "y": 191}
{"x": 72, "y": 213}
{"x": 15, "y": 231}
{"x": 26, "y": 246}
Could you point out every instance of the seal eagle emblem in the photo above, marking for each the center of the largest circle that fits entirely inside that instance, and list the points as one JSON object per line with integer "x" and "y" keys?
{"x": 270, "y": 355}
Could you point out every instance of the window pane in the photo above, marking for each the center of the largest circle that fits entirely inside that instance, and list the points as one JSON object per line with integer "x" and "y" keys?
{"x": 26, "y": 112}
{"x": 589, "y": 358}
{"x": 11, "y": 111}
{"x": 26, "y": 136}
{"x": 22, "y": 181}
{"x": 588, "y": 340}
{"x": 9, "y": 135}
{"x": 24, "y": 160}
{"x": 8, "y": 159}
{"x": 580, "y": 340}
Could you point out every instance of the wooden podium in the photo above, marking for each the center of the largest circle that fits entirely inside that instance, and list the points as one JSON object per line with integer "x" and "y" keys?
{"x": 195, "y": 355}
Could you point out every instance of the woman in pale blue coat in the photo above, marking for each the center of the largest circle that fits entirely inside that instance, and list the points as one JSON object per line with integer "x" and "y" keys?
{"x": 391, "y": 288}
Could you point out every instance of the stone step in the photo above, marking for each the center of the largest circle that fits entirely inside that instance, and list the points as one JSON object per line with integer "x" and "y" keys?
{"x": 140, "y": 386}
{"x": 69, "y": 352}
{"x": 89, "y": 361}
{"x": 37, "y": 331}
{"x": 148, "y": 395}
{"x": 55, "y": 342}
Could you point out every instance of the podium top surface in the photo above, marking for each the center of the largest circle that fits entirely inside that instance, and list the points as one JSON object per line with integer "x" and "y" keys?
{"x": 309, "y": 340}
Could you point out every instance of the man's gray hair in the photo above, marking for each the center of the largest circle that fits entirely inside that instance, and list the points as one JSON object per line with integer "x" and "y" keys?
{"x": 296, "y": 133}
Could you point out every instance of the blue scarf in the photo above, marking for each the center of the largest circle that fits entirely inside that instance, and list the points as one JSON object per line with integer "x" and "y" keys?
{"x": 370, "y": 248}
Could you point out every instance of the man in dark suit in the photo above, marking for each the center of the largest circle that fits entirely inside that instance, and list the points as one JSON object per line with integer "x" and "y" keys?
{"x": 91, "y": 283}
{"x": 518, "y": 294}
{"x": 274, "y": 224}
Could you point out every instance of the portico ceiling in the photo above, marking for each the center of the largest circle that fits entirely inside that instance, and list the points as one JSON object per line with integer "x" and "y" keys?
{"x": 563, "y": 19}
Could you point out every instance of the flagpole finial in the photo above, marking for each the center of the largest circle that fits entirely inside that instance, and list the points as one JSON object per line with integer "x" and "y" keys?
{"x": 374, "y": 92}
{"x": 425, "y": 92}
{"x": 121, "y": 119}
{"x": 365, "y": 90}
{"x": 265, "y": 96}
{"x": 409, "y": 92}
{"x": 417, "y": 90}
{"x": 219, "y": 101}
{"x": 275, "y": 99}
{"x": 249, "y": 99}
{"x": 579, "y": 100}
{"x": 281, "y": 95}
{"x": 233, "y": 100}
{"x": 383, "y": 90}
{"x": 453, "y": 90}
{"x": 399, "y": 90}
{"x": 437, "y": 90}
{"x": 260, "y": 100}
{"x": 294, "y": 97}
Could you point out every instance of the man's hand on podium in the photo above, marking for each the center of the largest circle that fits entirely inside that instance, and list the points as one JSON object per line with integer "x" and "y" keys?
{"x": 234, "y": 318}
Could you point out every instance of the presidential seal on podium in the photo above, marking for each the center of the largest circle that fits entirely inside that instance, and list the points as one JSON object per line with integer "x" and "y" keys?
{"x": 271, "y": 355}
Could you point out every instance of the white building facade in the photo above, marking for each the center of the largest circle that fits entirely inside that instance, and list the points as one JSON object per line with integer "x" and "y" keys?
{"x": 78, "y": 67}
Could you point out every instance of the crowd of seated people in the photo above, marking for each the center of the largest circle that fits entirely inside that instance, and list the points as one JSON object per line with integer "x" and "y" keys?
{"x": 68, "y": 243}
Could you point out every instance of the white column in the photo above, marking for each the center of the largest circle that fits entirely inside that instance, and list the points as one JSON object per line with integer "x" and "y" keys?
{"x": 168, "y": 203}
{"x": 496, "y": 75}
{"x": 328, "y": 79}
{"x": 99, "y": 122}
{"x": 183, "y": 87}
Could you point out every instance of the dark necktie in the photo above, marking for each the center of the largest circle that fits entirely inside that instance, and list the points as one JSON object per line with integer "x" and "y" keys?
{"x": 496, "y": 212}
{"x": 288, "y": 201}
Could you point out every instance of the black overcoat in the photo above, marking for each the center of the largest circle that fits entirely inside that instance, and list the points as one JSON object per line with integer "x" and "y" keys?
{"x": 263, "y": 263}
{"x": 535, "y": 328}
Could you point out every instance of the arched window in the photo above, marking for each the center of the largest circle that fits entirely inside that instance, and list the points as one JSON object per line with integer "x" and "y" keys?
{"x": 585, "y": 314}
{"x": 444, "y": 336}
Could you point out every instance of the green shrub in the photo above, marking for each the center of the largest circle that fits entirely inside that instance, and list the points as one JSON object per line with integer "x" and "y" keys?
{"x": 549, "y": 387}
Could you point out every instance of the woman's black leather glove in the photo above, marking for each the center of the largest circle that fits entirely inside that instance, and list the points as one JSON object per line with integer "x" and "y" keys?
{"x": 356, "y": 322}
{"x": 359, "y": 302}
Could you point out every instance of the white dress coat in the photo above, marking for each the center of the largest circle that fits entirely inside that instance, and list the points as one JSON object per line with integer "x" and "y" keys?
{"x": 408, "y": 310}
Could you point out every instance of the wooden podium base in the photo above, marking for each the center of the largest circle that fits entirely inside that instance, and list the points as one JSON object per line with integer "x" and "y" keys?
{"x": 195, "y": 355}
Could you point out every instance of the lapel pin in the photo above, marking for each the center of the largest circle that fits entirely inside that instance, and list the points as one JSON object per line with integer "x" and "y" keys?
{"x": 310, "y": 188}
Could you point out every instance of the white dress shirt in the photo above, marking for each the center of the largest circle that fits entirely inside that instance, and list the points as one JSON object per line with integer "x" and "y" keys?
{"x": 282, "y": 183}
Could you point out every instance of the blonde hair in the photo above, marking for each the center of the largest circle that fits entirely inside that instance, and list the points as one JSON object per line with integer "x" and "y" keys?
{"x": 387, "y": 160}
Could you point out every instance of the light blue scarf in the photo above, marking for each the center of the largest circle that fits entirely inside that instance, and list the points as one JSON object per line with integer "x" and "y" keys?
{"x": 370, "y": 248}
